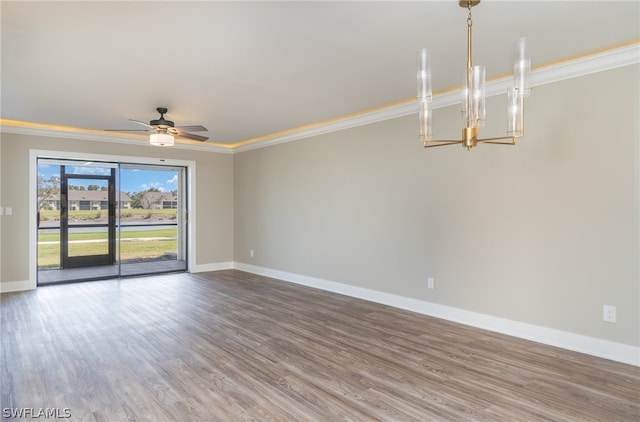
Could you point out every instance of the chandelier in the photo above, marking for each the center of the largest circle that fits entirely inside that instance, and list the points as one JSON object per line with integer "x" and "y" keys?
{"x": 473, "y": 97}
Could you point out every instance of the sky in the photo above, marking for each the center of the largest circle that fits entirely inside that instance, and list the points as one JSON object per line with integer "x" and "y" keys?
{"x": 131, "y": 180}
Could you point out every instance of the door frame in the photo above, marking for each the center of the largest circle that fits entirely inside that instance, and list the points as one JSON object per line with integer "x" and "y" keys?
{"x": 109, "y": 258}
{"x": 34, "y": 154}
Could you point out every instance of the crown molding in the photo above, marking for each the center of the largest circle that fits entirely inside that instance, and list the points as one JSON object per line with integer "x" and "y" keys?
{"x": 600, "y": 61}
{"x": 24, "y": 128}
{"x": 625, "y": 55}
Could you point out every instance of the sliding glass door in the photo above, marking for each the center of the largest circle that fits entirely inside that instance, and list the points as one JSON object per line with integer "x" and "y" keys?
{"x": 102, "y": 219}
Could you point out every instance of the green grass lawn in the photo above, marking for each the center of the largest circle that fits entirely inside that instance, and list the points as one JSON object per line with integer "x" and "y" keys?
{"x": 49, "y": 254}
{"x": 55, "y": 237}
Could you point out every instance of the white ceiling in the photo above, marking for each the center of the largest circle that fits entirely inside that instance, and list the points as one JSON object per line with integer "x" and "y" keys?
{"x": 250, "y": 69}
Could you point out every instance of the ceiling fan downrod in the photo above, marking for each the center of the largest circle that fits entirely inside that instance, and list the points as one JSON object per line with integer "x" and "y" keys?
{"x": 162, "y": 122}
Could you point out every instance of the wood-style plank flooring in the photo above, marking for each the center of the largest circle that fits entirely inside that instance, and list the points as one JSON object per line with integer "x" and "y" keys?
{"x": 232, "y": 346}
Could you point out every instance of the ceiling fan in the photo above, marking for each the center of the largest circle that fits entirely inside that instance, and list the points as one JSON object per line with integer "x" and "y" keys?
{"x": 162, "y": 130}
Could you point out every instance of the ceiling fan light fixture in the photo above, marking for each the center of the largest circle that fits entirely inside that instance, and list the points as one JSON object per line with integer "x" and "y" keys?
{"x": 163, "y": 131}
{"x": 161, "y": 139}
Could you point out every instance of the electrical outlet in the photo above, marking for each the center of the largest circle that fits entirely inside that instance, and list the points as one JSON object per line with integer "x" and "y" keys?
{"x": 609, "y": 313}
{"x": 431, "y": 283}
{"x": 251, "y": 254}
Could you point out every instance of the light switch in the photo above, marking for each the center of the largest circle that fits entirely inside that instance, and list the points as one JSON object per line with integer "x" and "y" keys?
{"x": 9, "y": 211}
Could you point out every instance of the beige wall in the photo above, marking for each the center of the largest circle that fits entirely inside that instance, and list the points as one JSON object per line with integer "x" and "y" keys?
{"x": 1, "y": 205}
{"x": 543, "y": 233}
{"x": 214, "y": 196}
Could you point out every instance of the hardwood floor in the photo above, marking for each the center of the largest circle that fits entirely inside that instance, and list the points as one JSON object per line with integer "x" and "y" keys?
{"x": 232, "y": 346}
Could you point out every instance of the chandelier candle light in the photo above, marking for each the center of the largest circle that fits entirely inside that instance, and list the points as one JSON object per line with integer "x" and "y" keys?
{"x": 473, "y": 97}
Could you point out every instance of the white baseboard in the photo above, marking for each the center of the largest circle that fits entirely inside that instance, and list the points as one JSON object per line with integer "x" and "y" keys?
{"x": 16, "y": 286}
{"x": 579, "y": 343}
{"x": 217, "y": 266}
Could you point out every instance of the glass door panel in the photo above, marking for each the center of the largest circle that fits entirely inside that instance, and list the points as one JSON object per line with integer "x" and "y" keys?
{"x": 88, "y": 241}
{"x": 87, "y": 217}
{"x": 153, "y": 227}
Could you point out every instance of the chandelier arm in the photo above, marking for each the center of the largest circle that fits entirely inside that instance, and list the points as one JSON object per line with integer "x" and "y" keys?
{"x": 496, "y": 141}
{"x": 440, "y": 144}
{"x": 444, "y": 141}
{"x": 513, "y": 138}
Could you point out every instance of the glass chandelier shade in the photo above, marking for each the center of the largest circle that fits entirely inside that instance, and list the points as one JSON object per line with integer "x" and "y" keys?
{"x": 425, "y": 95}
{"x": 474, "y": 112}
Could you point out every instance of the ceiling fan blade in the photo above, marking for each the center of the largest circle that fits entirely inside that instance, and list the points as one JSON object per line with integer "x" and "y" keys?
{"x": 195, "y": 128}
{"x": 190, "y": 136}
{"x": 127, "y": 130}
{"x": 142, "y": 123}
